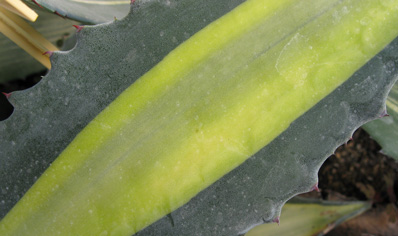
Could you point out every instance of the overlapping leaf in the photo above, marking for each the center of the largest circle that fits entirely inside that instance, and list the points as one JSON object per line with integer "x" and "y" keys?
{"x": 385, "y": 130}
{"x": 302, "y": 217}
{"x": 89, "y": 11}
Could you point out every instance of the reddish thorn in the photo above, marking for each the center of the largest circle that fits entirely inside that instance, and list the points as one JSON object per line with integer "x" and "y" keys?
{"x": 78, "y": 27}
{"x": 132, "y": 2}
{"x": 56, "y": 13}
{"x": 276, "y": 220}
{"x": 6, "y": 94}
{"x": 34, "y": 1}
{"x": 384, "y": 114}
{"x": 315, "y": 187}
{"x": 49, "y": 53}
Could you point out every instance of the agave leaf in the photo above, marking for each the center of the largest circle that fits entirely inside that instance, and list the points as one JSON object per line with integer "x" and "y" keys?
{"x": 254, "y": 192}
{"x": 302, "y": 217}
{"x": 385, "y": 130}
{"x": 290, "y": 46}
{"x": 89, "y": 11}
{"x": 85, "y": 80}
{"x": 16, "y": 63}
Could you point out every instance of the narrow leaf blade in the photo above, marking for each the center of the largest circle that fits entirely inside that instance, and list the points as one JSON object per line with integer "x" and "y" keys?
{"x": 385, "y": 129}
{"x": 310, "y": 218}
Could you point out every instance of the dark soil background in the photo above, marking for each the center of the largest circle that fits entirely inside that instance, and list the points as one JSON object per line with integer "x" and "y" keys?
{"x": 357, "y": 171}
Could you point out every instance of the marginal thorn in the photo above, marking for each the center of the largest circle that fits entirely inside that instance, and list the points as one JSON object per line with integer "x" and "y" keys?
{"x": 350, "y": 139}
{"x": 276, "y": 220}
{"x": 78, "y": 27}
{"x": 6, "y": 94}
{"x": 49, "y": 53}
{"x": 132, "y": 2}
{"x": 315, "y": 187}
{"x": 34, "y": 1}
{"x": 384, "y": 114}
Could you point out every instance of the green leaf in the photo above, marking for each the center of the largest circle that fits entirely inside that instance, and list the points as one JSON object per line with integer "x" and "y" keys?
{"x": 118, "y": 58}
{"x": 85, "y": 80}
{"x": 254, "y": 192}
{"x": 385, "y": 130}
{"x": 310, "y": 217}
{"x": 89, "y": 11}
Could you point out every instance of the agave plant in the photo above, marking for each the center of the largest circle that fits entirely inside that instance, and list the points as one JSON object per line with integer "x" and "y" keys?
{"x": 193, "y": 118}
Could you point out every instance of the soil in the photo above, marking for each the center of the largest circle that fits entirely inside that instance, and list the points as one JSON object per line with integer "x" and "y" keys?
{"x": 357, "y": 171}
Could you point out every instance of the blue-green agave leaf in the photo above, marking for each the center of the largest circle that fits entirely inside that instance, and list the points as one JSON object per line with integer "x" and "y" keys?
{"x": 86, "y": 79}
